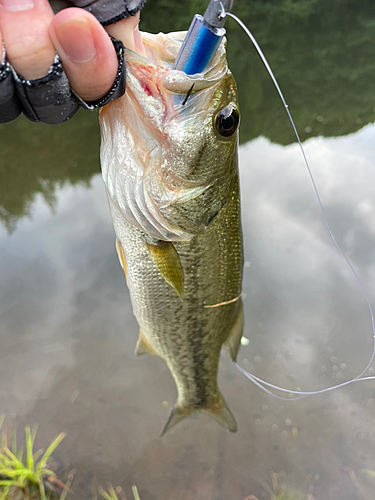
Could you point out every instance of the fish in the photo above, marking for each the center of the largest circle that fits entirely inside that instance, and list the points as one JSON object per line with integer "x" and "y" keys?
{"x": 169, "y": 158}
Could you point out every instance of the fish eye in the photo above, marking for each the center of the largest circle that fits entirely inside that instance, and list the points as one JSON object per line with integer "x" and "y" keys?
{"x": 227, "y": 121}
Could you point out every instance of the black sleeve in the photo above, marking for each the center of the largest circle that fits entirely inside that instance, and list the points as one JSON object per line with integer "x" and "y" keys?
{"x": 10, "y": 106}
{"x": 106, "y": 11}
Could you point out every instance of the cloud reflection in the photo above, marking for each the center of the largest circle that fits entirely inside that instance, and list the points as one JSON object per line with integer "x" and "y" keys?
{"x": 68, "y": 334}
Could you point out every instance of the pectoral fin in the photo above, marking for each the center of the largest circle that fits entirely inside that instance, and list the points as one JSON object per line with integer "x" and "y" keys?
{"x": 168, "y": 263}
{"x": 122, "y": 258}
{"x": 143, "y": 346}
{"x": 233, "y": 341}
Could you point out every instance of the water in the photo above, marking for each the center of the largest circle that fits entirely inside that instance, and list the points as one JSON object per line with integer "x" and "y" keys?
{"x": 66, "y": 327}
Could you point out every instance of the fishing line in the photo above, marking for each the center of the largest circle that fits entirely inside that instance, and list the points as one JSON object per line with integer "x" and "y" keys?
{"x": 256, "y": 380}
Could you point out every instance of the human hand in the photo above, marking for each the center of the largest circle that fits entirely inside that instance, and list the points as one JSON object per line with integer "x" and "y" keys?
{"x": 32, "y": 35}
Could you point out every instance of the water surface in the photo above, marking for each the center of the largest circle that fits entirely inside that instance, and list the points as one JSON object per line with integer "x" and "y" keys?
{"x": 67, "y": 330}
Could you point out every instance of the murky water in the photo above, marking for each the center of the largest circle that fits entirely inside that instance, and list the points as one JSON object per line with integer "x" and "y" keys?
{"x": 67, "y": 331}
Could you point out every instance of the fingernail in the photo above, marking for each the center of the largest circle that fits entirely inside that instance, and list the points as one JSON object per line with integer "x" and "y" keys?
{"x": 75, "y": 38}
{"x": 16, "y": 5}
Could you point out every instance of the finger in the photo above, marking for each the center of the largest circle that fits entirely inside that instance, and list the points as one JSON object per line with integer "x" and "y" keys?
{"x": 127, "y": 31}
{"x": 86, "y": 52}
{"x": 24, "y": 25}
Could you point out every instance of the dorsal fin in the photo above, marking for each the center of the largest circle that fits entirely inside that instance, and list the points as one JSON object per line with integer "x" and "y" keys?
{"x": 169, "y": 265}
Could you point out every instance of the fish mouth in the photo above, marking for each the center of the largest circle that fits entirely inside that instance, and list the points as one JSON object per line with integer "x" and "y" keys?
{"x": 152, "y": 62}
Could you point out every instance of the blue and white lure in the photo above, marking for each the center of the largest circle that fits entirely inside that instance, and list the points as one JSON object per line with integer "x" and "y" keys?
{"x": 203, "y": 38}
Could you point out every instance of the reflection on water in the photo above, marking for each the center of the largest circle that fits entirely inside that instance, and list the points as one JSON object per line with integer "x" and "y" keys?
{"x": 40, "y": 159}
{"x": 68, "y": 335}
{"x": 67, "y": 331}
{"x": 321, "y": 52}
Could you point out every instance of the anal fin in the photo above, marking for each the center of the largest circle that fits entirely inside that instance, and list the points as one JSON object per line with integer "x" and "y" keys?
{"x": 143, "y": 346}
{"x": 169, "y": 265}
{"x": 122, "y": 258}
{"x": 233, "y": 341}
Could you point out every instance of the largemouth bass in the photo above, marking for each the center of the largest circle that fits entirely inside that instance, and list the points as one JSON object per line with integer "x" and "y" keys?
{"x": 169, "y": 163}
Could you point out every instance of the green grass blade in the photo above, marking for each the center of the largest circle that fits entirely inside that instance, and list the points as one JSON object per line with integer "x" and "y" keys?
{"x": 4, "y": 471}
{"x": 4, "y": 441}
{"x": 46, "y": 472}
{"x": 13, "y": 473}
{"x": 5, "y": 461}
{"x": 105, "y": 495}
{"x": 112, "y": 492}
{"x": 42, "y": 490}
{"x": 135, "y": 493}
{"x": 29, "y": 449}
{"x": 17, "y": 464}
{"x": 37, "y": 454}
{"x": 51, "y": 448}
{"x": 2, "y": 418}
{"x": 13, "y": 441}
{"x": 33, "y": 433}
{"x": 367, "y": 472}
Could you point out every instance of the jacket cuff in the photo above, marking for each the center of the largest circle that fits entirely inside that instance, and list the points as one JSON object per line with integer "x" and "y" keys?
{"x": 10, "y": 106}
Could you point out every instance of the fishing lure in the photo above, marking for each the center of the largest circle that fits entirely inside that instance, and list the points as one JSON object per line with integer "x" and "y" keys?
{"x": 203, "y": 38}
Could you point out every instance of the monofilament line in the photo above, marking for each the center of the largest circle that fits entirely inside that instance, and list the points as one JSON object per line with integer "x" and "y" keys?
{"x": 295, "y": 395}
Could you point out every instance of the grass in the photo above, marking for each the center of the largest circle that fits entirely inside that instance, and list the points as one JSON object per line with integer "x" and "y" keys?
{"x": 30, "y": 476}
{"x": 27, "y": 475}
{"x": 118, "y": 492}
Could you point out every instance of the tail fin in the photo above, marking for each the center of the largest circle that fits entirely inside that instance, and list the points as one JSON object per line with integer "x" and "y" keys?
{"x": 218, "y": 410}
